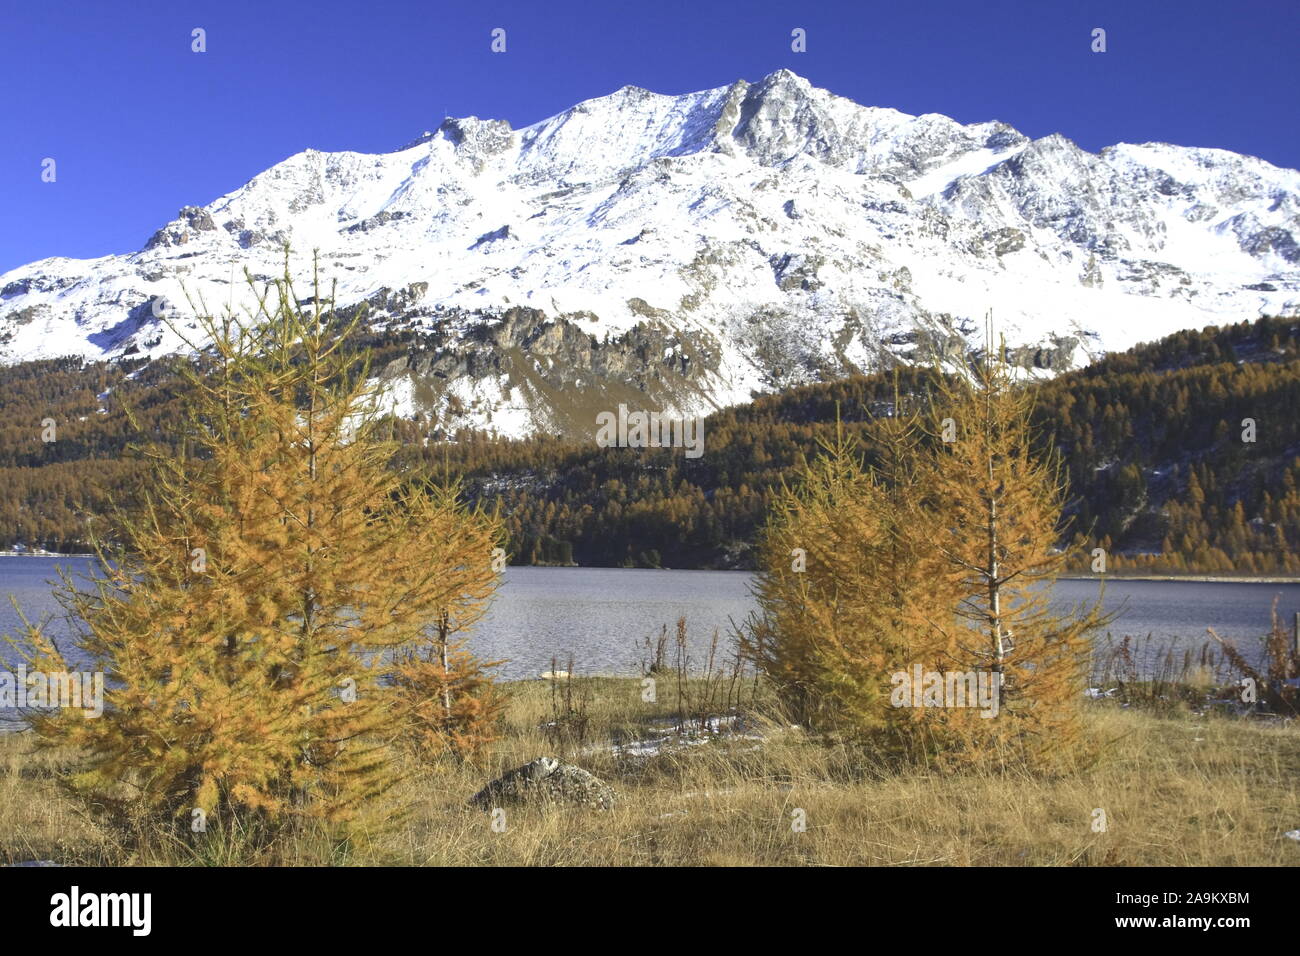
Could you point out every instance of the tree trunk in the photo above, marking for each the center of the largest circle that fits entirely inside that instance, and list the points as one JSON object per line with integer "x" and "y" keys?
{"x": 446, "y": 671}
{"x": 994, "y": 588}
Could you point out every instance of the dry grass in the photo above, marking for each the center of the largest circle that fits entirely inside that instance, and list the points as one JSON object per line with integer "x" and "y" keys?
{"x": 1177, "y": 789}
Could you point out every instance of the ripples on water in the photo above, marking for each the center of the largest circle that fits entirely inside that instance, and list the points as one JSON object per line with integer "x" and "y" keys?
{"x": 599, "y": 615}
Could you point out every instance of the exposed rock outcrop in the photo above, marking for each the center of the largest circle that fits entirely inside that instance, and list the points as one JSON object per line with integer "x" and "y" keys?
{"x": 542, "y": 781}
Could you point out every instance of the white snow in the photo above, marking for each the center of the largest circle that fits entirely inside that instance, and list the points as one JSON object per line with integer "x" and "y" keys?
{"x": 691, "y": 204}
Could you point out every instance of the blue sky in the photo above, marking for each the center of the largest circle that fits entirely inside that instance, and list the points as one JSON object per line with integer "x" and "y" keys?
{"x": 139, "y": 125}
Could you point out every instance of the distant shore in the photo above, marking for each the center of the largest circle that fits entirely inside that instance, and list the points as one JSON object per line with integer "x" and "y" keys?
{"x": 1192, "y": 578}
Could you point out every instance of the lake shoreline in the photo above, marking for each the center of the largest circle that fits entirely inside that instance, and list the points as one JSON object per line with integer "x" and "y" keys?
{"x": 609, "y": 620}
{"x": 1174, "y": 578}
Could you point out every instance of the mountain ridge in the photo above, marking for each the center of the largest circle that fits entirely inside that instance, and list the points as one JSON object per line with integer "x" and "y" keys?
{"x": 718, "y": 244}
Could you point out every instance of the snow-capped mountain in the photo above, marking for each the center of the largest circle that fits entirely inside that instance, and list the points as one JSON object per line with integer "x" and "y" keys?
{"x": 681, "y": 252}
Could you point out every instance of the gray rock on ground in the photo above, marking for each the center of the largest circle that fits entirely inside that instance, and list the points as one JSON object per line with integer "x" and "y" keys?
{"x": 545, "y": 780}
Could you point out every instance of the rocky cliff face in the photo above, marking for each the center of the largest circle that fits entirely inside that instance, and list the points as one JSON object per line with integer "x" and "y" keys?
{"x": 682, "y": 252}
{"x": 524, "y": 371}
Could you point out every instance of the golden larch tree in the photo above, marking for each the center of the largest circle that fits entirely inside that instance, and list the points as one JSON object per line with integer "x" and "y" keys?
{"x": 249, "y": 611}
{"x": 450, "y": 704}
{"x": 998, "y": 506}
{"x": 841, "y": 578}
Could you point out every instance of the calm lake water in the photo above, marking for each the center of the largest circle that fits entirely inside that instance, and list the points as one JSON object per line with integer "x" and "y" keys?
{"x": 599, "y": 616}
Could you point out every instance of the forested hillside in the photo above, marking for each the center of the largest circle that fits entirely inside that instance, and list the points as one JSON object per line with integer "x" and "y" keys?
{"x": 1151, "y": 441}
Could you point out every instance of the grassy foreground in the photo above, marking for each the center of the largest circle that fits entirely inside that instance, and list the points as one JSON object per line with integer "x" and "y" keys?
{"x": 1176, "y": 789}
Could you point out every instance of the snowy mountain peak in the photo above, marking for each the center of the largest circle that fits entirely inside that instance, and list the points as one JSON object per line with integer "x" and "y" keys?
{"x": 682, "y": 251}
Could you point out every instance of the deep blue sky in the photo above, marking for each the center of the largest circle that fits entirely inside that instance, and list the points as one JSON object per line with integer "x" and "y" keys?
{"x": 139, "y": 125}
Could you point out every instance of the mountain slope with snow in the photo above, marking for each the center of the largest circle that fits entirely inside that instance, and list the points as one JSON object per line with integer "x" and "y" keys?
{"x": 681, "y": 252}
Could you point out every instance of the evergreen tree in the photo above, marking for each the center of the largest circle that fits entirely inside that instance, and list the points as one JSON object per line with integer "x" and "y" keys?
{"x": 843, "y": 578}
{"x": 449, "y": 703}
{"x": 889, "y": 583}
{"x": 1000, "y": 505}
{"x": 273, "y": 566}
